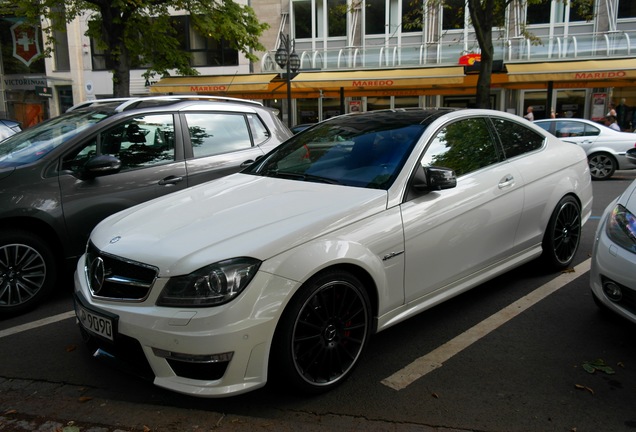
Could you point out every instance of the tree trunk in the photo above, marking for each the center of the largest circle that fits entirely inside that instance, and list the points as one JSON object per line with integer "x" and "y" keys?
{"x": 481, "y": 15}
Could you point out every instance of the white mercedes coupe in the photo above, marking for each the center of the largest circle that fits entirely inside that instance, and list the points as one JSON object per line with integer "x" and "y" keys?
{"x": 283, "y": 271}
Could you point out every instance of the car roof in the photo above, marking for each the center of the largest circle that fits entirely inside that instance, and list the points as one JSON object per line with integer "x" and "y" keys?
{"x": 124, "y": 104}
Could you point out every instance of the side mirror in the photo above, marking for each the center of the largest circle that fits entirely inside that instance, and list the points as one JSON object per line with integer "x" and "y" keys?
{"x": 102, "y": 165}
{"x": 434, "y": 178}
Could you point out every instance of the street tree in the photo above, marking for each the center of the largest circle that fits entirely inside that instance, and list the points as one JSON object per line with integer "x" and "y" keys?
{"x": 141, "y": 34}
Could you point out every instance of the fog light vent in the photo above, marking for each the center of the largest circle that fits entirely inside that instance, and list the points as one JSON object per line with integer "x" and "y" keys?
{"x": 612, "y": 291}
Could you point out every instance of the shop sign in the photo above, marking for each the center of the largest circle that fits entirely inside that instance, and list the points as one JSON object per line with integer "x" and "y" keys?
{"x": 44, "y": 91}
{"x": 373, "y": 83}
{"x": 600, "y": 75}
{"x": 26, "y": 47}
{"x": 22, "y": 82}
{"x": 469, "y": 59}
{"x": 216, "y": 88}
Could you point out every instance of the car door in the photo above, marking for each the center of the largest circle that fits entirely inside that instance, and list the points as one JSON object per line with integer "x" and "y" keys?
{"x": 220, "y": 143}
{"x": 152, "y": 165}
{"x": 453, "y": 234}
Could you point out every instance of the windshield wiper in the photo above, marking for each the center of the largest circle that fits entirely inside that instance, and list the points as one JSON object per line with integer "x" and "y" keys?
{"x": 300, "y": 176}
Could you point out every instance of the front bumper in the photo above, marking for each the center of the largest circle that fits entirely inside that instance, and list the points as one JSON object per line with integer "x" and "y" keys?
{"x": 613, "y": 266}
{"x": 208, "y": 352}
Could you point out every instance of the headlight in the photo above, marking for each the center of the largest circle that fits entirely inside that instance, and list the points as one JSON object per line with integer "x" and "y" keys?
{"x": 211, "y": 285}
{"x": 621, "y": 228}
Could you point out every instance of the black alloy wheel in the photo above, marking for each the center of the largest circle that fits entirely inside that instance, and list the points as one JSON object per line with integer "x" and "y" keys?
{"x": 323, "y": 333}
{"x": 562, "y": 237}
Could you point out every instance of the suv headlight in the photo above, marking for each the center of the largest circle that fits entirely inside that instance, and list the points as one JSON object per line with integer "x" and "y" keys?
{"x": 621, "y": 228}
{"x": 212, "y": 285}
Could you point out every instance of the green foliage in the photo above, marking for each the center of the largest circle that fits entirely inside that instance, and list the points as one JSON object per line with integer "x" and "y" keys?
{"x": 137, "y": 32}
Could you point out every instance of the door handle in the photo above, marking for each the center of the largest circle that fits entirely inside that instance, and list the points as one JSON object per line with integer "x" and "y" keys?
{"x": 247, "y": 163}
{"x": 170, "y": 180}
{"x": 506, "y": 182}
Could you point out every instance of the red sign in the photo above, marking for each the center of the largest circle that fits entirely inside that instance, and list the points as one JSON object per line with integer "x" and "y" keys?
{"x": 469, "y": 59}
{"x": 25, "y": 42}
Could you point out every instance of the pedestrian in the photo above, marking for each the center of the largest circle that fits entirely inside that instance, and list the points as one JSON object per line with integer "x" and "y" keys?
{"x": 552, "y": 114}
{"x": 612, "y": 111}
{"x": 529, "y": 114}
{"x": 621, "y": 115}
{"x": 610, "y": 122}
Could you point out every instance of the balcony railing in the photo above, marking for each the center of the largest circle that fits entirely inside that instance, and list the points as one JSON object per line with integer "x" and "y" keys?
{"x": 446, "y": 53}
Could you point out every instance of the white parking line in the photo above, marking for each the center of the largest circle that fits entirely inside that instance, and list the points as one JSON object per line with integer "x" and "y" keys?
{"x": 36, "y": 324}
{"x": 437, "y": 357}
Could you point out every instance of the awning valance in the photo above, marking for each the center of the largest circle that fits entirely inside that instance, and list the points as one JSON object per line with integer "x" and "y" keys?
{"x": 584, "y": 70}
{"x": 385, "y": 79}
{"x": 213, "y": 84}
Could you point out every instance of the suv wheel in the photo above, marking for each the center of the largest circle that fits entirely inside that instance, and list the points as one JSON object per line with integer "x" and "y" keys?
{"x": 27, "y": 271}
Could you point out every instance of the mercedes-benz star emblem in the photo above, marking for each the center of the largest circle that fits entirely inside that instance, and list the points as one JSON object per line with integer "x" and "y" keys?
{"x": 97, "y": 275}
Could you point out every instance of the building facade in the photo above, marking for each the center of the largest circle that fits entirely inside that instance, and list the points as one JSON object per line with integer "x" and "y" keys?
{"x": 355, "y": 55}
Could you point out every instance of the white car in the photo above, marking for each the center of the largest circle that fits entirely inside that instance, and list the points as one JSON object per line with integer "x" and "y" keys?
{"x": 605, "y": 147}
{"x": 285, "y": 270}
{"x": 613, "y": 272}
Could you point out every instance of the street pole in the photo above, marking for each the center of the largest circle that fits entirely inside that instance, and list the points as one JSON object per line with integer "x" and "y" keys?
{"x": 287, "y": 58}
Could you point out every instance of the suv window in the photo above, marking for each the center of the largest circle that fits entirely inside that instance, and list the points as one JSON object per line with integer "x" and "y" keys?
{"x": 516, "y": 139}
{"x": 259, "y": 131}
{"x": 464, "y": 146}
{"x": 217, "y": 133}
{"x": 139, "y": 142}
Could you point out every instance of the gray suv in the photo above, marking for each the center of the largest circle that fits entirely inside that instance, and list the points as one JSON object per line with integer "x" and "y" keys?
{"x": 61, "y": 177}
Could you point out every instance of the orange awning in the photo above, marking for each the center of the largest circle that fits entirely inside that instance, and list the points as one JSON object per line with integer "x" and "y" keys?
{"x": 573, "y": 71}
{"x": 214, "y": 84}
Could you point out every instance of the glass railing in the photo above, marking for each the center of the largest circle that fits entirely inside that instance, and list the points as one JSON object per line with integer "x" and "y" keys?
{"x": 518, "y": 49}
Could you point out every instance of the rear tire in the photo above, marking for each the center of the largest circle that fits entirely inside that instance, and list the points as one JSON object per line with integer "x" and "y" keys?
{"x": 322, "y": 333}
{"x": 28, "y": 271}
{"x": 602, "y": 166}
{"x": 562, "y": 237}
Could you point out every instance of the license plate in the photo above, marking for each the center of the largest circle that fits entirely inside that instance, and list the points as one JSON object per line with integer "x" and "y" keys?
{"x": 95, "y": 323}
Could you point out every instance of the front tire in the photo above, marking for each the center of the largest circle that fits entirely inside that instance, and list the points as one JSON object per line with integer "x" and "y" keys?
{"x": 27, "y": 271}
{"x": 322, "y": 333}
{"x": 602, "y": 166}
{"x": 562, "y": 237}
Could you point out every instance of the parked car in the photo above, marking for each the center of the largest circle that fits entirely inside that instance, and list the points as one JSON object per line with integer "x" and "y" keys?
{"x": 59, "y": 178}
{"x": 301, "y": 127}
{"x": 8, "y": 128}
{"x": 605, "y": 147}
{"x": 287, "y": 268}
{"x": 613, "y": 271}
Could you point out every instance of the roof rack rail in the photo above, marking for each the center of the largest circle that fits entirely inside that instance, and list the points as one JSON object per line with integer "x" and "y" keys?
{"x": 96, "y": 102}
{"x": 133, "y": 102}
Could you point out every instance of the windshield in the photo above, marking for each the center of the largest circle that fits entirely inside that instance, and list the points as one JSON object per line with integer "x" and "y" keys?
{"x": 37, "y": 141}
{"x": 349, "y": 150}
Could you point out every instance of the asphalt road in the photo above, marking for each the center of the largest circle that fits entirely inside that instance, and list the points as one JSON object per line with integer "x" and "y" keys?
{"x": 507, "y": 356}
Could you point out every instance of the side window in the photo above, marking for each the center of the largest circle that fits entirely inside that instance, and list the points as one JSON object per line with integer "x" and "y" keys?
{"x": 217, "y": 133}
{"x": 464, "y": 146}
{"x": 566, "y": 129}
{"x": 139, "y": 142}
{"x": 259, "y": 131}
{"x": 591, "y": 130}
{"x": 516, "y": 139}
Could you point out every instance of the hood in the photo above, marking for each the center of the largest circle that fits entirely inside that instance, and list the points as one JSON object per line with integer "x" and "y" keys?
{"x": 235, "y": 216}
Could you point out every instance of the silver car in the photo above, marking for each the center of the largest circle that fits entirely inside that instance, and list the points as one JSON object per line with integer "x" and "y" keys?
{"x": 613, "y": 273}
{"x": 605, "y": 147}
{"x": 61, "y": 177}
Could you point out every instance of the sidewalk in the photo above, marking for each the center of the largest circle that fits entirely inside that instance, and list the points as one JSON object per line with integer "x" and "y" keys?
{"x": 58, "y": 407}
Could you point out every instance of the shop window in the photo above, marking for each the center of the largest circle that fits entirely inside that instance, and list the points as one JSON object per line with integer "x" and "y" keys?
{"x": 302, "y": 19}
{"x": 375, "y": 17}
{"x": 626, "y": 9}
{"x": 453, "y": 14}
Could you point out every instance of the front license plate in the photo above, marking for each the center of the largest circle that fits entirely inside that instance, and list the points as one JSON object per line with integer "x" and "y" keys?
{"x": 95, "y": 323}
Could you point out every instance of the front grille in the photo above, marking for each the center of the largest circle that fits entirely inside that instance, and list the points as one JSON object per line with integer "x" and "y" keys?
{"x": 115, "y": 278}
